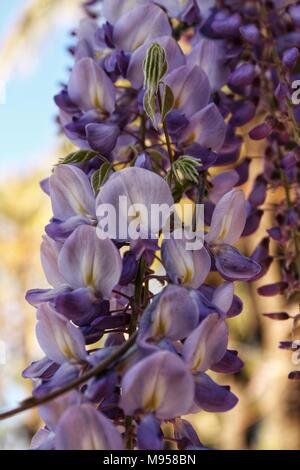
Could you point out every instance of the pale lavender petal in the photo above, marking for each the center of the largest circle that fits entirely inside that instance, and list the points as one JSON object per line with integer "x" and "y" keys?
{"x": 211, "y": 56}
{"x": 38, "y": 296}
{"x": 167, "y": 391}
{"x": 207, "y": 127}
{"x": 113, "y": 9}
{"x": 172, "y": 314}
{"x": 49, "y": 255}
{"x": 90, "y": 88}
{"x": 186, "y": 267}
{"x": 87, "y": 261}
{"x": 52, "y": 411}
{"x": 143, "y": 23}
{"x": 42, "y": 440}
{"x": 83, "y": 427}
{"x": 223, "y": 296}
{"x": 229, "y": 218}
{"x": 136, "y": 186}
{"x": 207, "y": 344}
{"x": 223, "y": 183}
{"x": 58, "y": 337}
{"x": 190, "y": 87}
{"x": 71, "y": 193}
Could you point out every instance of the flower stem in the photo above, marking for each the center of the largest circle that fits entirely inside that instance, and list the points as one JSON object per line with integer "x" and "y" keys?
{"x": 95, "y": 371}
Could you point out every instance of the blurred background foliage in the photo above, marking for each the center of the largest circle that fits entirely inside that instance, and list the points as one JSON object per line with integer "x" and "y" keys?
{"x": 268, "y": 414}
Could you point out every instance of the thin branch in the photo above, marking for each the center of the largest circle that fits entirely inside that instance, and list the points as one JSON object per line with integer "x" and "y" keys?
{"x": 95, "y": 371}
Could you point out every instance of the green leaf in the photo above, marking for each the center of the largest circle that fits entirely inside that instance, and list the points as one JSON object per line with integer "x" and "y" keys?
{"x": 80, "y": 156}
{"x": 186, "y": 168}
{"x": 150, "y": 108}
{"x": 168, "y": 102}
{"x": 101, "y": 176}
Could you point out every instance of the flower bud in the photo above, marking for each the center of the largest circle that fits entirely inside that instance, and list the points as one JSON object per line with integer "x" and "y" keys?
{"x": 155, "y": 67}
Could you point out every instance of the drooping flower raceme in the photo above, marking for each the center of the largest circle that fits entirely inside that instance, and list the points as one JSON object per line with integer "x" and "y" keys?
{"x": 147, "y": 108}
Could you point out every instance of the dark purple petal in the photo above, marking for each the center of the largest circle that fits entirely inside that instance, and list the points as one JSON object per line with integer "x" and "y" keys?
{"x": 273, "y": 289}
{"x": 259, "y": 192}
{"x": 261, "y": 131}
{"x": 243, "y": 75}
{"x": 290, "y": 57}
{"x": 229, "y": 364}
{"x": 149, "y": 434}
{"x": 250, "y": 33}
{"x": 213, "y": 397}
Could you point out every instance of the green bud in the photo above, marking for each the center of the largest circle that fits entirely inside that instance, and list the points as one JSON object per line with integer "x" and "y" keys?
{"x": 155, "y": 67}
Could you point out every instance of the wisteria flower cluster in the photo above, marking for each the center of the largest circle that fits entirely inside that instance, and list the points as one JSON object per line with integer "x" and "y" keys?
{"x": 156, "y": 99}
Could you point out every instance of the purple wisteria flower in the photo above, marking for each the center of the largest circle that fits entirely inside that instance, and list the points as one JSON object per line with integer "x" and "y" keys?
{"x": 155, "y": 101}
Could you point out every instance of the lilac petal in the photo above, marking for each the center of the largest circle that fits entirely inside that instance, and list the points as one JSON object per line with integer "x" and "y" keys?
{"x": 87, "y": 261}
{"x": 44, "y": 184}
{"x": 38, "y": 369}
{"x": 207, "y": 127}
{"x": 59, "y": 339}
{"x": 186, "y": 267}
{"x": 99, "y": 389}
{"x": 49, "y": 255}
{"x": 174, "y": 55}
{"x": 149, "y": 434}
{"x": 71, "y": 193}
{"x": 223, "y": 296}
{"x": 229, "y": 364}
{"x": 172, "y": 314}
{"x": 102, "y": 137}
{"x": 213, "y": 397}
{"x": 99, "y": 432}
{"x": 42, "y": 440}
{"x": 60, "y": 231}
{"x": 139, "y": 25}
{"x": 168, "y": 391}
{"x": 52, "y": 411}
{"x": 114, "y": 9}
{"x": 186, "y": 434}
{"x": 38, "y": 296}
{"x": 207, "y": 344}
{"x": 130, "y": 184}
{"x": 90, "y": 88}
{"x": 80, "y": 305}
{"x": 65, "y": 374}
{"x": 234, "y": 266}
{"x": 235, "y": 308}
{"x": 190, "y": 87}
{"x": 222, "y": 183}
{"x": 211, "y": 56}
{"x": 229, "y": 218}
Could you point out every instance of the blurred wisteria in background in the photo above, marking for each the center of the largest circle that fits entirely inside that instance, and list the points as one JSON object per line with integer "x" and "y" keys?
{"x": 268, "y": 413}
